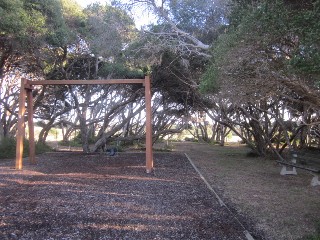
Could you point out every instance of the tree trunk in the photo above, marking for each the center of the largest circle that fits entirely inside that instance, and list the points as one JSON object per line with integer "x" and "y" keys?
{"x": 1, "y": 133}
{"x": 103, "y": 138}
{"x": 261, "y": 145}
{"x": 96, "y": 68}
{"x": 44, "y": 132}
{"x": 214, "y": 131}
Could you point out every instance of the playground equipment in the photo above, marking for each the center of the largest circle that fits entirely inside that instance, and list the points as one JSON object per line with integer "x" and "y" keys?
{"x": 26, "y": 92}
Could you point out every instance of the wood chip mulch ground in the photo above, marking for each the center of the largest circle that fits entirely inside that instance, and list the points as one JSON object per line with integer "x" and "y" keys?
{"x": 79, "y": 196}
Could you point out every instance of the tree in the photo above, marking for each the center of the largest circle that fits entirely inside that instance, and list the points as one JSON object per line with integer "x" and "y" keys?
{"x": 108, "y": 31}
{"x": 27, "y": 28}
{"x": 254, "y": 63}
{"x": 179, "y": 24}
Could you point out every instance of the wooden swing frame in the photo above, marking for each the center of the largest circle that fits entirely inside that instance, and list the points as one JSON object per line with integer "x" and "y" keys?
{"x": 26, "y": 92}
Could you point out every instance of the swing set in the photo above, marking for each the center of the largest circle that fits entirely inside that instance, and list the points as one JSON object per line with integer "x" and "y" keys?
{"x": 26, "y": 93}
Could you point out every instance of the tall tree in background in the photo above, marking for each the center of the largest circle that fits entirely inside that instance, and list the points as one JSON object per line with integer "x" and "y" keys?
{"x": 27, "y": 28}
{"x": 183, "y": 26}
{"x": 177, "y": 46}
{"x": 256, "y": 61}
{"x": 108, "y": 32}
{"x": 268, "y": 53}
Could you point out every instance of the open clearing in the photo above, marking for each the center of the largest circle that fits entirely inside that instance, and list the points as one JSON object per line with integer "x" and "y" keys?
{"x": 283, "y": 207}
{"x": 79, "y": 196}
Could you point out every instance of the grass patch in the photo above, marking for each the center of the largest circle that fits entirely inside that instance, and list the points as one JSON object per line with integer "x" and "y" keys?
{"x": 241, "y": 151}
{"x": 315, "y": 236}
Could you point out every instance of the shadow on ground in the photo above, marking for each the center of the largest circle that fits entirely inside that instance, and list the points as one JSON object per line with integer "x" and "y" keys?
{"x": 79, "y": 196}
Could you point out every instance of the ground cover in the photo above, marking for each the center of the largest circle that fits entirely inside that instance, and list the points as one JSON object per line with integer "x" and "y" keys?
{"x": 81, "y": 196}
{"x": 283, "y": 207}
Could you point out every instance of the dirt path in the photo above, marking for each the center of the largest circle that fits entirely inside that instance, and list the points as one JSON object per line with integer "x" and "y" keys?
{"x": 78, "y": 196}
{"x": 283, "y": 207}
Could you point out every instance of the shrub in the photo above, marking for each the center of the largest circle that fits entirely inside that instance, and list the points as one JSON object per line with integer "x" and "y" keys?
{"x": 252, "y": 154}
{"x": 8, "y": 148}
{"x": 42, "y": 148}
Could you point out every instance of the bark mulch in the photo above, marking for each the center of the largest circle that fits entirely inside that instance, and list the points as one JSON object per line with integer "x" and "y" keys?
{"x": 79, "y": 196}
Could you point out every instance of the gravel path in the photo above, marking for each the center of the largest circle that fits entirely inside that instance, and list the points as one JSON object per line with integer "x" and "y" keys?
{"x": 78, "y": 196}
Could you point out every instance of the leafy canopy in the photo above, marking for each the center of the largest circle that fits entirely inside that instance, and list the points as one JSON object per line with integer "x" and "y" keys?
{"x": 284, "y": 35}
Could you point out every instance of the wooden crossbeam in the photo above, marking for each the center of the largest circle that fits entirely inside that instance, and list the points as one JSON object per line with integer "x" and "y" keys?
{"x": 26, "y": 91}
{"x": 86, "y": 82}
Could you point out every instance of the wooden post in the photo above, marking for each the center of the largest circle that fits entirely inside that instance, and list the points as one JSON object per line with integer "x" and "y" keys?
{"x": 149, "y": 155}
{"x": 21, "y": 125}
{"x": 26, "y": 91}
{"x": 32, "y": 149}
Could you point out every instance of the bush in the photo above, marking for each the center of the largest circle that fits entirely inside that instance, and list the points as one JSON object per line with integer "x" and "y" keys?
{"x": 8, "y": 148}
{"x": 252, "y": 154}
{"x": 42, "y": 148}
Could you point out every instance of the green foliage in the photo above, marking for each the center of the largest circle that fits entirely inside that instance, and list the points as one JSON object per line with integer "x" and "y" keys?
{"x": 283, "y": 25}
{"x": 209, "y": 80}
{"x": 306, "y": 58}
{"x": 269, "y": 31}
{"x": 59, "y": 33}
{"x": 201, "y": 18}
{"x": 18, "y": 21}
{"x": 8, "y": 148}
{"x": 119, "y": 70}
{"x": 42, "y": 148}
{"x": 211, "y": 77}
{"x": 33, "y": 20}
{"x": 315, "y": 236}
{"x": 31, "y": 31}
{"x": 74, "y": 18}
{"x": 176, "y": 78}
{"x": 190, "y": 14}
{"x": 107, "y": 29}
